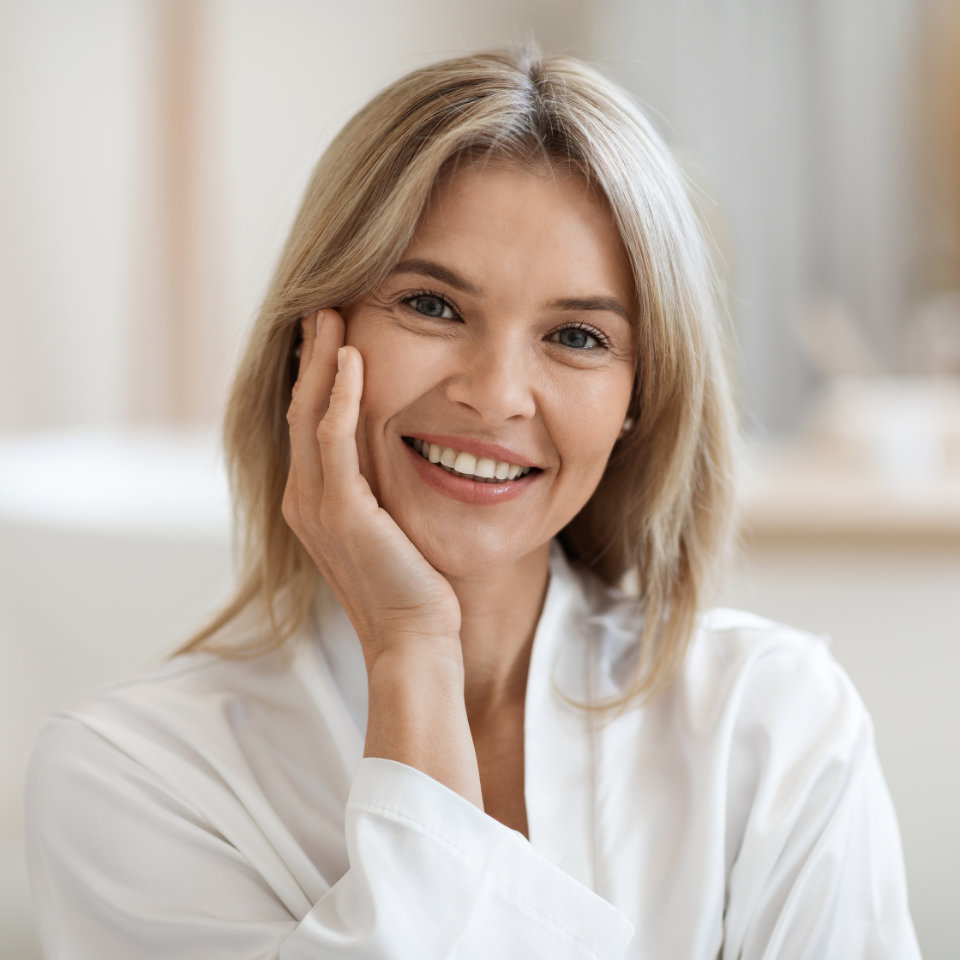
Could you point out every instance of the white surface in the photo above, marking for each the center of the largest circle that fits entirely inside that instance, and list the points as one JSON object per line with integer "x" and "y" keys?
{"x": 160, "y": 483}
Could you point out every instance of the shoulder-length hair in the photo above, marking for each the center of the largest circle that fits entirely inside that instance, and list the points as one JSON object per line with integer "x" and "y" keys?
{"x": 663, "y": 509}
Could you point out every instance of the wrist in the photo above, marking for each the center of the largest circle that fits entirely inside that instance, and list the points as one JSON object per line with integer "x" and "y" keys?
{"x": 417, "y": 714}
{"x": 434, "y": 662}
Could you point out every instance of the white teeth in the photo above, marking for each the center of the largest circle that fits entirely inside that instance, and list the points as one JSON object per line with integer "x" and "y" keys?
{"x": 466, "y": 464}
{"x": 486, "y": 468}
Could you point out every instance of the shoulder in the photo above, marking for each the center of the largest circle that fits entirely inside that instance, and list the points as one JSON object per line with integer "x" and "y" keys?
{"x": 747, "y": 688}
{"x": 197, "y": 682}
{"x": 739, "y": 668}
{"x": 781, "y": 735}
{"x": 807, "y": 817}
{"x": 145, "y": 734}
{"x": 194, "y": 706}
{"x": 756, "y": 673}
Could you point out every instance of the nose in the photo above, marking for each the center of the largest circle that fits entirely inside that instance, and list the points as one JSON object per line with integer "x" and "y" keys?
{"x": 496, "y": 380}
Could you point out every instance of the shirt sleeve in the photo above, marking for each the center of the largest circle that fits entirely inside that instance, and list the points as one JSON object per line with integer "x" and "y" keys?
{"x": 819, "y": 873}
{"x": 474, "y": 887}
{"x": 122, "y": 866}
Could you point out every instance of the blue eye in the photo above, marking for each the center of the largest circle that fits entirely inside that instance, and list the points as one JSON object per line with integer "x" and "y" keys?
{"x": 430, "y": 305}
{"x": 579, "y": 338}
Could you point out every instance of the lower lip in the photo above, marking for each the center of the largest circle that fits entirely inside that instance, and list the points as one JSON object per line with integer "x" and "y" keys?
{"x": 470, "y": 491}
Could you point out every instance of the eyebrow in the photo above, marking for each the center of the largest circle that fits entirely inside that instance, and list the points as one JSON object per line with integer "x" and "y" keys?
{"x": 429, "y": 268}
{"x": 591, "y": 303}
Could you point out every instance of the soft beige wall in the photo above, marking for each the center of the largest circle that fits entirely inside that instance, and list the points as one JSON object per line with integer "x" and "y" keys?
{"x": 152, "y": 153}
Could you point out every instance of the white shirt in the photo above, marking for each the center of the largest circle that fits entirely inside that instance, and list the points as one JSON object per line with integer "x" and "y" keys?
{"x": 221, "y": 808}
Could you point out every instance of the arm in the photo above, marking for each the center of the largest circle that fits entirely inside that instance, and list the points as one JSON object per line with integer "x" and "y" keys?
{"x": 405, "y": 613}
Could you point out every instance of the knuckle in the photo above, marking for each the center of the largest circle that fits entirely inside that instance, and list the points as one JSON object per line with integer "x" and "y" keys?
{"x": 288, "y": 506}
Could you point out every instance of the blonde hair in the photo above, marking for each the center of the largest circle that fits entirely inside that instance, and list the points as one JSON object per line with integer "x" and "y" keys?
{"x": 664, "y": 505}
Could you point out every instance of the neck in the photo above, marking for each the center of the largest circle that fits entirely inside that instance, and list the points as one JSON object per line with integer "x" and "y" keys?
{"x": 500, "y": 612}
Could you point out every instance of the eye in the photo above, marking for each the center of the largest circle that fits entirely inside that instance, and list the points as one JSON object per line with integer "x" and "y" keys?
{"x": 580, "y": 336}
{"x": 431, "y": 305}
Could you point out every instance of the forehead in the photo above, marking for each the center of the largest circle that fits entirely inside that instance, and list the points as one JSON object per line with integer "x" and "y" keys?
{"x": 534, "y": 222}
{"x": 470, "y": 183}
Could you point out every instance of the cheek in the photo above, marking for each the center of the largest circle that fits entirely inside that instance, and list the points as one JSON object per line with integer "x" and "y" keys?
{"x": 599, "y": 416}
{"x": 396, "y": 377}
{"x": 399, "y": 368}
{"x": 393, "y": 378}
{"x": 377, "y": 404}
{"x": 592, "y": 432}
{"x": 382, "y": 359}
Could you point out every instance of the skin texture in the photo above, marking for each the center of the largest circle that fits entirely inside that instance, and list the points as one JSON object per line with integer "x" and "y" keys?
{"x": 507, "y": 322}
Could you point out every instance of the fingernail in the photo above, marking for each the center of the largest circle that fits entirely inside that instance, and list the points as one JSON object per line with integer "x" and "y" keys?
{"x": 320, "y": 314}
{"x": 341, "y": 353}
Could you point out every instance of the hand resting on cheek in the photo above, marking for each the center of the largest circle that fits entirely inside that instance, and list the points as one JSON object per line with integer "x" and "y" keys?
{"x": 405, "y": 613}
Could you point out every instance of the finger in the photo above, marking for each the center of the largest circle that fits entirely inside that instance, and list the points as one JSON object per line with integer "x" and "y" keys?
{"x": 327, "y": 337}
{"x": 317, "y": 365}
{"x": 323, "y": 332}
{"x": 309, "y": 404}
{"x": 337, "y": 433}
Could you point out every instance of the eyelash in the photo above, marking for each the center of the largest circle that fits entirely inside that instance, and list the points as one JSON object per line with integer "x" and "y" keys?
{"x": 603, "y": 341}
{"x": 431, "y": 295}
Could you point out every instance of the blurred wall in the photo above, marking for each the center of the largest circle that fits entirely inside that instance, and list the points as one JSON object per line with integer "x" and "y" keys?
{"x": 152, "y": 155}
{"x": 794, "y": 121}
{"x": 154, "y": 151}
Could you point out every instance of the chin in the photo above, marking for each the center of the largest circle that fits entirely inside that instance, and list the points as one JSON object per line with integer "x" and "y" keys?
{"x": 463, "y": 556}
{"x": 461, "y": 560}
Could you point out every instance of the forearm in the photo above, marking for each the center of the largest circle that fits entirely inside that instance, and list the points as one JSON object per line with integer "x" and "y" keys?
{"x": 417, "y": 715}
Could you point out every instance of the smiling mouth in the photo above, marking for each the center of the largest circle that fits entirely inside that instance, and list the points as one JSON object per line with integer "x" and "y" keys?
{"x": 459, "y": 463}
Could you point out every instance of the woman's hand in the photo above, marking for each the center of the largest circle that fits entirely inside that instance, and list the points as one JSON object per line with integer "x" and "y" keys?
{"x": 390, "y": 592}
{"x": 405, "y": 613}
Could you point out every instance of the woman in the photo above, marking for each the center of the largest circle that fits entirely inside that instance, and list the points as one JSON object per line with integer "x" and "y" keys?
{"x": 485, "y": 385}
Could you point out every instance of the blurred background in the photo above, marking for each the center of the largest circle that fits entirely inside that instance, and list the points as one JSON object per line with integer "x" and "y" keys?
{"x": 152, "y": 155}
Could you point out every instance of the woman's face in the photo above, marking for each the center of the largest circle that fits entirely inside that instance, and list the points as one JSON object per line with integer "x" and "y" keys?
{"x": 502, "y": 344}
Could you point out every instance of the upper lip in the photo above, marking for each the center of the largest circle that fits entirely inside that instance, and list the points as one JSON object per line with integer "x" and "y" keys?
{"x": 479, "y": 448}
